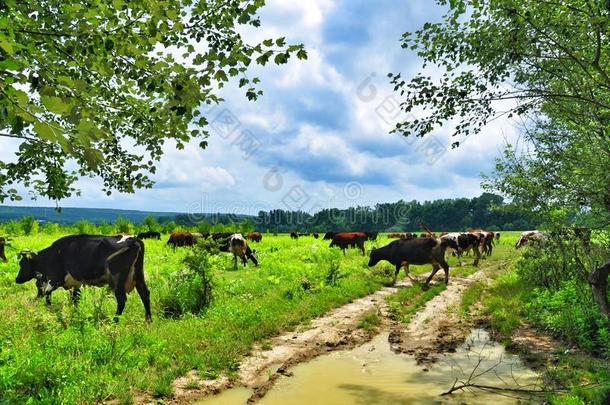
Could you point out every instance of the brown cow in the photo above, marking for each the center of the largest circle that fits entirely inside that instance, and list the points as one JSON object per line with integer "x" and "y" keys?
{"x": 180, "y": 239}
{"x": 255, "y": 236}
{"x": 347, "y": 240}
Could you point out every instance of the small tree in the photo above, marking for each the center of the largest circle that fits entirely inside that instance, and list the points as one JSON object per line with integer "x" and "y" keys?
{"x": 169, "y": 227}
{"x": 190, "y": 290}
{"x": 151, "y": 224}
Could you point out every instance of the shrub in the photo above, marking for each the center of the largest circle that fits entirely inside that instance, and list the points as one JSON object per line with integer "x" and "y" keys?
{"x": 29, "y": 225}
{"x": 333, "y": 275}
{"x": 570, "y": 313}
{"x": 169, "y": 227}
{"x": 189, "y": 291}
{"x": 122, "y": 225}
{"x": 50, "y": 228}
{"x": 84, "y": 227}
{"x": 151, "y": 224}
{"x": 106, "y": 228}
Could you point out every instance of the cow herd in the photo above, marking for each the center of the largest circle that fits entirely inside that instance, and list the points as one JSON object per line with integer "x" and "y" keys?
{"x": 118, "y": 261}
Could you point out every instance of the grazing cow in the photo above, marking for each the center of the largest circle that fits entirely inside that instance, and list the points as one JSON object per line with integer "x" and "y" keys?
{"x": 329, "y": 235}
{"x": 463, "y": 242}
{"x": 255, "y": 236}
{"x": 294, "y": 235}
{"x": 371, "y": 235}
{"x": 149, "y": 235}
{"x": 180, "y": 239}
{"x": 497, "y": 236}
{"x": 77, "y": 260}
{"x": 2, "y": 245}
{"x": 238, "y": 245}
{"x": 349, "y": 240}
{"x": 528, "y": 237}
{"x": 402, "y": 253}
{"x": 316, "y": 235}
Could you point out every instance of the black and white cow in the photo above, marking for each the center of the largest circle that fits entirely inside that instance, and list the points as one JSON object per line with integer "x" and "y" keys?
{"x": 237, "y": 244}
{"x": 461, "y": 242}
{"x": 77, "y": 260}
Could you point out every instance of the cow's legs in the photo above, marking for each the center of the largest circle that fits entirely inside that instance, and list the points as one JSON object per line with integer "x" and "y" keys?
{"x": 406, "y": 267}
{"x": 244, "y": 260}
{"x": 121, "y": 299}
{"x": 477, "y": 256}
{"x": 234, "y": 261}
{"x": 435, "y": 268}
{"x": 398, "y": 266}
{"x": 445, "y": 267}
{"x": 75, "y": 293}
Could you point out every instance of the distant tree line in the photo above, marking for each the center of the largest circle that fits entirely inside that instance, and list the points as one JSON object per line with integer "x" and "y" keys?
{"x": 488, "y": 211}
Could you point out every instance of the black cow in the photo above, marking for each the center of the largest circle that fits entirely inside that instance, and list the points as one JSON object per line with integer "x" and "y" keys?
{"x": 294, "y": 235}
{"x": 77, "y": 260}
{"x": 403, "y": 252}
{"x": 2, "y": 245}
{"x": 371, "y": 235}
{"x": 149, "y": 235}
{"x": 316, "y": 235}
{"x": 329, "y": 235}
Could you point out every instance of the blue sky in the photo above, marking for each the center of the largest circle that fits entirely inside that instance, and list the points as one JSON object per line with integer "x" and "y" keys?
{"x": 319, "y": 137}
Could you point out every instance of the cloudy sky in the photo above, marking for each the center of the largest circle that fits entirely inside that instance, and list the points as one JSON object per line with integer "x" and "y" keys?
{"x": 319, "y": 137}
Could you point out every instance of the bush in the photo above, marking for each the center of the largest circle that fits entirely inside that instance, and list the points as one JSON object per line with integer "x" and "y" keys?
{"x": 29, "y": 225}
{"x": 150, "y": 224}
{"x": 50, "y": 228}
{"x": 570, "y": 313}
{"x": 122, "y": 225}
{"x": 190, "y": 291}
{"x": 84, "y": 227}
{"x": 106, "y": 228}
{"x": 169, "y": 227}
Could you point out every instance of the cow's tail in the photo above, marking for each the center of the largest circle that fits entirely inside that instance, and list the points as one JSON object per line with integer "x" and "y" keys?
{"x": 139, "y": 261}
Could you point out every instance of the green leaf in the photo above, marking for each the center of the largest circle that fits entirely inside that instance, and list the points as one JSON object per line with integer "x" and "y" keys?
{"x": 45, "y": 132}
{"x": 55, "y": 104}
{"x": 281, "y": 58}
{"x": 7, "y": 46}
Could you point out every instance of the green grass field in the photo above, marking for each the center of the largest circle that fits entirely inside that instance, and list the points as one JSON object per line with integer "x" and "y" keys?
{"x": 79, "y": 355}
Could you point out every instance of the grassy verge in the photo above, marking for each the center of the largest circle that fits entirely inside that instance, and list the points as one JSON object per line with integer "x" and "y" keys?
{"x": 507, "y": 303}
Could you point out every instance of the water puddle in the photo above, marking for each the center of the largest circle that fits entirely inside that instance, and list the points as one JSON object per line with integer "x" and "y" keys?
{"x": 373, "y": 374}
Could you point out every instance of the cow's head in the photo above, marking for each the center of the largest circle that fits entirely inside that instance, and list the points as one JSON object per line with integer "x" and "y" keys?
{"x": 27, "y": 267}
{"x": 375, "y": 257}
{"x": 451, "y": 243}
{"x": 252, "y": 256}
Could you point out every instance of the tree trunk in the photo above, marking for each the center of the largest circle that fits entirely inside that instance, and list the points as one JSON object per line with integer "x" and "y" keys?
{"x": 598, "y": 279}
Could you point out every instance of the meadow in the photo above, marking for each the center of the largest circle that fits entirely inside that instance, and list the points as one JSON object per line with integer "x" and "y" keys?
{"x": 67, "y": 354}
{"x": 73, "y": 354}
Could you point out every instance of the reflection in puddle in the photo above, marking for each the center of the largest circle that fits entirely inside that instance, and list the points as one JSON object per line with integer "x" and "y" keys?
{"x": 373, "y": 374}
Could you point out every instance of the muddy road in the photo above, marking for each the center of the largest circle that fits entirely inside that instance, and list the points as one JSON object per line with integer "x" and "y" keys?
{"x": 434, "y": 329}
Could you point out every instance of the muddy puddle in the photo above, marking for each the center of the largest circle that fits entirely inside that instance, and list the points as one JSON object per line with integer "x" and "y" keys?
{"x": 373, "y": 374}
